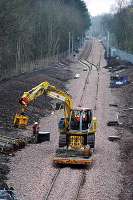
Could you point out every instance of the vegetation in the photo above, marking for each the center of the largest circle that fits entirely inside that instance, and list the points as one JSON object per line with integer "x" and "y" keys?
{"x": 120, "y": 26}
{"x": 35, "y": 29}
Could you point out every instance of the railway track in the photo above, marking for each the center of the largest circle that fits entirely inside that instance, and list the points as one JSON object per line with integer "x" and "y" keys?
{"x": 80, "y": 185}
{"x": 82, "y": 180}
{"x": 52, "y": 184}
{"x": 86, "y": 52}
{"x": 82, "y": 177}
{"x": 97, "y": 66}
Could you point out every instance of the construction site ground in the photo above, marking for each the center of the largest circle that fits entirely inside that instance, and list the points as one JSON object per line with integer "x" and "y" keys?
{"x": 31, "y": 170}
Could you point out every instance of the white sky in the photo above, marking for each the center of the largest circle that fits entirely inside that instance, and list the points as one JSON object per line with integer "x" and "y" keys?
{"x": 97, "y": 7}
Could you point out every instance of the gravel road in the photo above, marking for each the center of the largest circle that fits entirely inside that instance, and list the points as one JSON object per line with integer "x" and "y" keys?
{"x": 31, "y": 170}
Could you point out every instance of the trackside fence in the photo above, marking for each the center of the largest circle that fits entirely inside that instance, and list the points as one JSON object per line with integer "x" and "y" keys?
{"x": 122, "y": 54}
{"x": 26, "y": 66}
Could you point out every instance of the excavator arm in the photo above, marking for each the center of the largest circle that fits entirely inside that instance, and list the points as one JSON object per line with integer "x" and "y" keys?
{"x": 43, "y": 89}
{"x": 77, "y": 132}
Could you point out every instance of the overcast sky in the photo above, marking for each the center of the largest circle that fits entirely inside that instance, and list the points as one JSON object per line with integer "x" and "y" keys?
{"x": 97, "y": 7}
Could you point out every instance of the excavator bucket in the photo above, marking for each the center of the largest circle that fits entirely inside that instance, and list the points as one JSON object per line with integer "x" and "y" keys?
{"x": 20, "y": 121}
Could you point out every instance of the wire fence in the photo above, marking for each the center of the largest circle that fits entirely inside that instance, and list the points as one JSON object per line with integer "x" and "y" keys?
{"x": 29, "y": 66}
{"x": 122, "y": 54}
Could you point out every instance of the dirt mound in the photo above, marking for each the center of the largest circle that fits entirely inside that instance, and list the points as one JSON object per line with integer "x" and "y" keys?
{"x": 11, "y": 90}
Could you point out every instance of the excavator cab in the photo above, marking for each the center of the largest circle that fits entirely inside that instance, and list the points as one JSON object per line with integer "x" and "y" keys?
{"x": 80, "y": 119}
{"x": 81, "y": 129}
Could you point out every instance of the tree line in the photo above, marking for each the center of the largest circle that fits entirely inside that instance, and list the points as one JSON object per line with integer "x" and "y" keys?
{"x": 120, "y": 26}
{"x": 35, "y": 29}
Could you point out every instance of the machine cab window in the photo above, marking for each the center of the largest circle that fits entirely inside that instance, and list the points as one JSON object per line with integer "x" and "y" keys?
{"x": 80, "y": 120}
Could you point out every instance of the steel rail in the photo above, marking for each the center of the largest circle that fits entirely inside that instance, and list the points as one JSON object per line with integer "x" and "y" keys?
{"x": 80, "y": 185}
{"x": 52, "y": 184}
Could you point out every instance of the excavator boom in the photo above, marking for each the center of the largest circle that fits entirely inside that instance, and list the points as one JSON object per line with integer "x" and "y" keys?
{"x": 44, "y": 88}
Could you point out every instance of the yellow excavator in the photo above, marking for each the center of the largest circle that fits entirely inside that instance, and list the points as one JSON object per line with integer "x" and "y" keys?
{"x": 77, "y": 128}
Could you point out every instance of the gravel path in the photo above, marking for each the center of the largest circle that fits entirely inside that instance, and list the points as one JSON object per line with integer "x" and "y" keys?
{"x": 103, "y": 181}
{"x": 31, "y": 169}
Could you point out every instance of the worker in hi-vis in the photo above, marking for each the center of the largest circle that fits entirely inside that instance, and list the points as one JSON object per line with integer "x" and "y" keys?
{"x": 35, "y": 128}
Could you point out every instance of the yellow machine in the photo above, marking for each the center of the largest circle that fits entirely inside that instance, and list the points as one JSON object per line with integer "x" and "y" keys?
{"x": 21, "y": 120}
{"x": 77, "y": 128}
